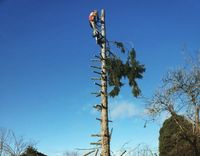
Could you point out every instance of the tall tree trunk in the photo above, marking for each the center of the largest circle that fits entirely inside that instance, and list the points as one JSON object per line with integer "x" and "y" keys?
{"x": 104, "y": 114}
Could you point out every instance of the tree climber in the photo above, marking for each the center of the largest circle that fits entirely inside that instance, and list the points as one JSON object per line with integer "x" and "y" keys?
{"x": 93, "y": 20}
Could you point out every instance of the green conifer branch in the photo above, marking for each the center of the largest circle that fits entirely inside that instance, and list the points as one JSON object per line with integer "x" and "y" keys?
{"x": 117, "y": 69}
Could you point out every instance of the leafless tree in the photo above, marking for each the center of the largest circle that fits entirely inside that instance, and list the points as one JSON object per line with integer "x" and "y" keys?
{"x": 71, "y": 153}
{"x": 10, "y": 144}
{"x": 139, "y": 150}
{"x": 4, "y": 136}
{"x": 180, "y": 93}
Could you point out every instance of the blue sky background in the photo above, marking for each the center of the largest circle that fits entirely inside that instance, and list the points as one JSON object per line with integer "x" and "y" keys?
{"x": 45, "y": 52}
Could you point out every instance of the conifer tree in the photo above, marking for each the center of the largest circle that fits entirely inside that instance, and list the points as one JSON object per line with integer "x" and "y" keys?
{"x": 31, "y": 151}
{"x": 173, "y": 142}
{"x": 114, "y": 70}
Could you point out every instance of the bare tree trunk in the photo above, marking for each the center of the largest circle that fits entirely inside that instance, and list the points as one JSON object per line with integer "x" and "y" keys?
{"x": 197, "y": 120}
{"x": 104, "y": 98}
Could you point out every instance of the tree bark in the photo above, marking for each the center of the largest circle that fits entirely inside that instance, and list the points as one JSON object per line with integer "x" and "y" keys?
{"x": 104, "y": 98}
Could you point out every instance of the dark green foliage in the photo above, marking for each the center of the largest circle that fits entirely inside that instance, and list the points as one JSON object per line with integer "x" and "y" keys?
{"x": 120, "y": 45}
{"x": 173, "y": 141}
{"x": 31, "y": 151}
{"x": 117, "y": 69}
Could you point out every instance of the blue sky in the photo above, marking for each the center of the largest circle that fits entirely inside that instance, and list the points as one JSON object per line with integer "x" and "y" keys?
{"x": 45, "y": 52}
